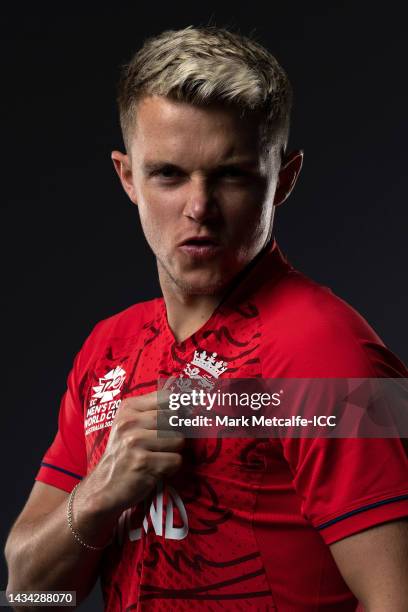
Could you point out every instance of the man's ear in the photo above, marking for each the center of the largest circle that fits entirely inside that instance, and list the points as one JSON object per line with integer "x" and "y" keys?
{"x": 123, "y": 169}
{"x": 288, "y": 174}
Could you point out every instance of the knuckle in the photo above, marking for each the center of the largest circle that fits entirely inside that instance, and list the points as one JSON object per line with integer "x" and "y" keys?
{"x": 178, "y": 460}
{"x": 121, "y": 426}
{"x": 138, "y": 420}
{"x": 131, "y": 440}
{"x": 140, "y": 458}
{"x": 136, "y": 439}
{"x": 172, "y": 464}
{"x": 179, "y": 443}
{"x": 125, "y": 406}
{"x": 175, "y": 443}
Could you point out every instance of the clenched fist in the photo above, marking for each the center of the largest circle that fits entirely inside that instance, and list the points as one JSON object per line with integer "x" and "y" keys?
{"x": 135, "y": 457}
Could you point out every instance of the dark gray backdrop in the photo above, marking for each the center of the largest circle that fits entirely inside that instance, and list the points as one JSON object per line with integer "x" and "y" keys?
{"x": 74, "y": 252}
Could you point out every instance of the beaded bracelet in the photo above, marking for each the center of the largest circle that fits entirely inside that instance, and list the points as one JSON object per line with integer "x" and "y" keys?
{"x": 71, "y": 527}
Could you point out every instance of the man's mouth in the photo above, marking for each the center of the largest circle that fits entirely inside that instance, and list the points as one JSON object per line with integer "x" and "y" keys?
{"x": 201, "y": 247}
{"x": 199, "y": 241}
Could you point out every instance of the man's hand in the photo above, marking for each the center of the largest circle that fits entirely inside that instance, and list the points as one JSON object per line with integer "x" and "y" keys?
{"x": 135, "y": 458}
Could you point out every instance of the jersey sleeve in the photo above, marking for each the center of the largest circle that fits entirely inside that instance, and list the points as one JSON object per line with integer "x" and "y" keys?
{"x": 64, "y": 463}
{"x": 348, "y": 485}
{"x": 345, "y": 485}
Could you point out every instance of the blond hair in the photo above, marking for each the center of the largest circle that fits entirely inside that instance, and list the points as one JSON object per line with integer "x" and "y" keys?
{"x": 207, "y": 65}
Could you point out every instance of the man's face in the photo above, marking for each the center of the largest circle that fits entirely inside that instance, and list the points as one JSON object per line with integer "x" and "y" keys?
{"x": 204, "y": 190}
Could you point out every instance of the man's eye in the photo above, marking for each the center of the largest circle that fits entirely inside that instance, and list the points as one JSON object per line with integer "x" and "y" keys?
{"x": 231, "y": 173}
{"x": 168, "y": 173}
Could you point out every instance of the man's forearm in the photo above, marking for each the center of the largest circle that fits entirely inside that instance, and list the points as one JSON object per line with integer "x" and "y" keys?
{"x": 43, "y": 554}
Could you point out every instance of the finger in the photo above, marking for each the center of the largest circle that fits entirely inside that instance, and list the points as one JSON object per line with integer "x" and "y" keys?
{"x": 164, "y": 463}
{"x": 148, "y": 419}
{"x": 141, "y": 403}
{"x": 152, "y": 440}
{"x": 156, "y": 419}
{"x": 144, "y": 420}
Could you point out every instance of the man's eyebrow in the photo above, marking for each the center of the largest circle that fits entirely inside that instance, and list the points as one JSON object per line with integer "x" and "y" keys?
{"x": 239, "y": 161}
{"x": 249, "y": 162}
{"x": 152, "y": 166}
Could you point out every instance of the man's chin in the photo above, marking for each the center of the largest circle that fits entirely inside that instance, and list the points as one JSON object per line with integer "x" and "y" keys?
{"x": 198, "y": 282}
{"x": 201, "y": 287}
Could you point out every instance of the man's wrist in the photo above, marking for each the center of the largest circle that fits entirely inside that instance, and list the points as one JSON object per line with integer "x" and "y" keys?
{"x": 93, "y": 523}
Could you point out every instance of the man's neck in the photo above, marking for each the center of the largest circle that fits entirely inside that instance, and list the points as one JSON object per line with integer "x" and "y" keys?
{"x": 186, "y": 313}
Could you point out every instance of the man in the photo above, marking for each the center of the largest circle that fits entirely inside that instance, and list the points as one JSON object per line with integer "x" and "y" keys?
{"x": 169, "y": 524}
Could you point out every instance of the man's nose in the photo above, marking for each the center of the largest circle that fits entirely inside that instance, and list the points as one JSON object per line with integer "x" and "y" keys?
{"x": 200, "y": 204}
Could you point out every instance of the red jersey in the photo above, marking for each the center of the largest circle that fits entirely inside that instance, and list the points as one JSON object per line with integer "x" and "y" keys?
{"x": 246, "y": 522}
